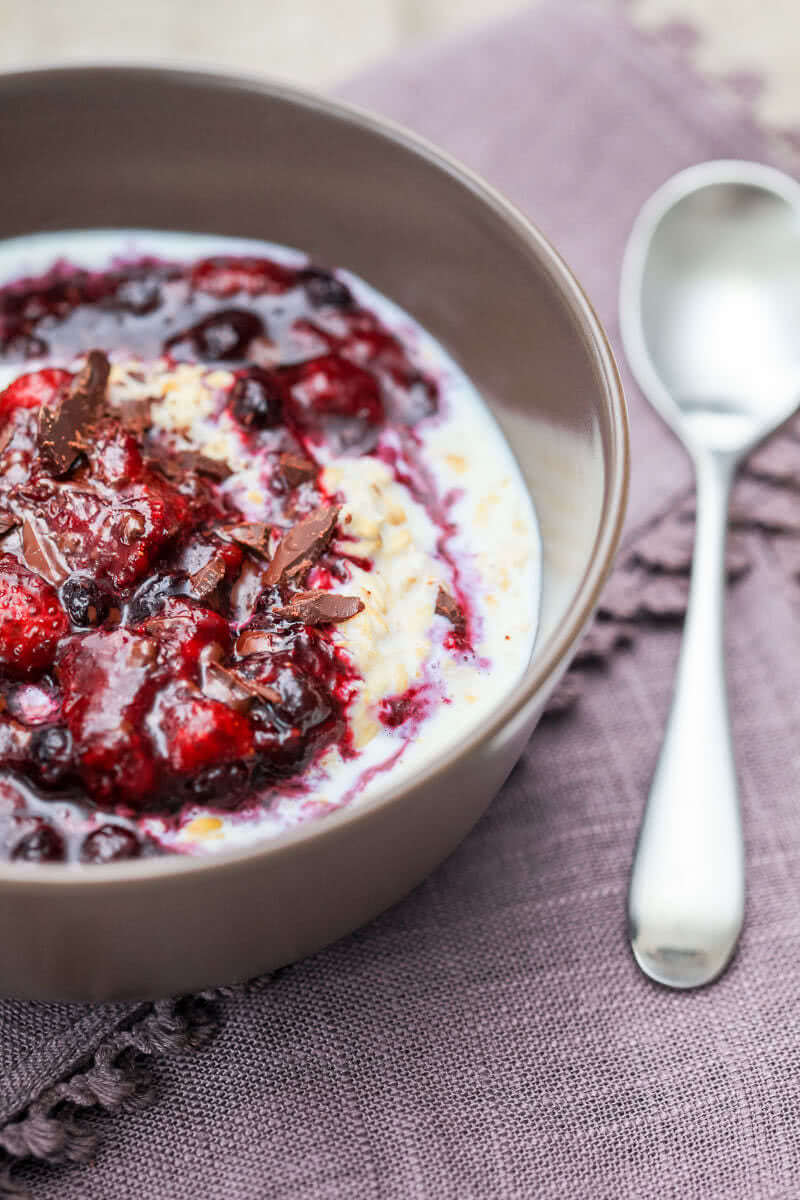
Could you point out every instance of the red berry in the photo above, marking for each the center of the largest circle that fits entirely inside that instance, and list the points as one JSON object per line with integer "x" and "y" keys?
{"x": 115, "y": 534}
{"x": 33, "y": 390}
{"x": 201, "y": 733}
{"x": 187, "y": 629}
{"x": 110, "y": 843}
{"x": 31, "y": 619}
{"x": 115, "y": 457}
{"x": 333, "y": 400}
{"x": 224, "y": 276}
{"x": 108, "y": 679}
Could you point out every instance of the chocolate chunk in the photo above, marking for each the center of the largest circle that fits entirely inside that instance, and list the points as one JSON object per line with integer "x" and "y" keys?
{"x": 317, "y": 608}
{"x": 134, "y": 413}
{"x": 254, "y": 641}
{"x": 225, "y": 684}
{"x": 8, "y": 522}
{"x": 63, "y": 430}
{"x": 175, "y": 466}
{"x": 295, "y": 469}
{"x": 303, "y": 544}
{"x": 208, "y": 578}
{"x": 447, "y": 607}
{"x": 42, "y": 554}
{"x": 253, "y": 535}
{"x": 193, "y": 460}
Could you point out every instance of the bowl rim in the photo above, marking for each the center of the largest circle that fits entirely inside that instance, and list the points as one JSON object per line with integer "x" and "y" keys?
{"x": 553, "y": 651}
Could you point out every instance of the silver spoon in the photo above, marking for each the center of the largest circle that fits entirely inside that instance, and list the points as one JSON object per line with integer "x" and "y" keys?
{"x": 710, "y": 313}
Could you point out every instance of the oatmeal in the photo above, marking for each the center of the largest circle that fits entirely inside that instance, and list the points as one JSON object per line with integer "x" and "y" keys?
{"x": 262, "y": 549}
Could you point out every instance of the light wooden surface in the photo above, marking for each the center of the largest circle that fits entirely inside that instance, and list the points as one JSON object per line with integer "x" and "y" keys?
{"x": 318, "y": 42}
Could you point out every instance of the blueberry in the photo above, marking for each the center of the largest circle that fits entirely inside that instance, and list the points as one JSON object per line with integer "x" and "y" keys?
{"x": 256, "y": 400}
{"x": 86, "y": 602}
{"x": 42, "y": 844}
{"x": 110, "y": 843}
{"x": 51, "y": 753}
{"x": 225, "y": 335}
{"x": 324, "y": 290}
{"x": 150, "y": 595}
{"x": 221, "y": 785}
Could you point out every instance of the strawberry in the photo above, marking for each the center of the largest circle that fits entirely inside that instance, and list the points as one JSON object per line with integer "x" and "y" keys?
{"x": 31, "y": 619}
{"x": 201, "y": 733}
{"x": 108, "y": 679}
{"x": 33, "y": 390}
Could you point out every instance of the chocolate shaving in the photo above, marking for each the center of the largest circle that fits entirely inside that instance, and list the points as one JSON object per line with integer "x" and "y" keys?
{"x": 175, "y": 466}
{"x": 63, "y": 430}
{"x": 254, "y": 641}
{"x": 134, "y": 413}
{"x": 447, "y": 607}
{"x": 317, "y": 608}
{"x": 296, "y": 470}
{"x": 5, "y": 437}
{"x": 253, "y": 535}
{"x": 8, "y": 522}
{"x": 303, "y": 544}
{"x": 231, "y": 688}
{"x": 208, "y": 578}
{"x": 42, "y": 554}
{"x": 193, "y": 460}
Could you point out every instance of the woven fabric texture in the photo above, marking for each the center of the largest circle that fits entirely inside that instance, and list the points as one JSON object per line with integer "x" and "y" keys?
{"x": 490, "y": 1036}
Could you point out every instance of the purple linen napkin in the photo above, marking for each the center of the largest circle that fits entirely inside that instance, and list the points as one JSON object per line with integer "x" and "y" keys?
{"x": 490, "y": 1036}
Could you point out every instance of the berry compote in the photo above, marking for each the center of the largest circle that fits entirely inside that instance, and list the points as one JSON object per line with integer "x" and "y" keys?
{"x": 165, "y": 639}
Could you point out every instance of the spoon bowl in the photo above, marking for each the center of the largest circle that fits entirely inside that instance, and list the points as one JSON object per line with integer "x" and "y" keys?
{"x": 709, "y": 302}
{"x": 710, "y": 318}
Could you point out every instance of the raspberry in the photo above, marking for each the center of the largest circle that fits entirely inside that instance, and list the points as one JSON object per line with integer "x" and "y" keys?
{"x": 334, "y": 400}
{"x": 118, "y": 769}
{"x": 115, "y": 457}
{"x": 224, "y": 276}
{"x": 201, "y": 733}
{"x": 332, "y": 385}
{"x": 108, "y": 679}
{"x": 33, "y": 390}
{"x": 31, "y": 619}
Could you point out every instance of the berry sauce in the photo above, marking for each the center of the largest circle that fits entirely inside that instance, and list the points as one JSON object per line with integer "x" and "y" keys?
{"x": 131, "y": 685}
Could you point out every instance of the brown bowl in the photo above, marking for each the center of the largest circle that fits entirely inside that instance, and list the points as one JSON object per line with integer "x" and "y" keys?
{"x": 165, "y": 149}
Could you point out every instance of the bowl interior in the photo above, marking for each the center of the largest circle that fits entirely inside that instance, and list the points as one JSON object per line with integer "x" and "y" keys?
{"x": 177, "y": 150}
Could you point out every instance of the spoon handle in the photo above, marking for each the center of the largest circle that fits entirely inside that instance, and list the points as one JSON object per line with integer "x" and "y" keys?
{"x": 686, "y": 899}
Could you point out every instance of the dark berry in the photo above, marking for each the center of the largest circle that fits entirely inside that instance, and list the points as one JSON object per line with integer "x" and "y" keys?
{"x": 51, "y": 752}
{"x": 302, "y": 705}
{"x": 256, "y": 400}
{"x": 149, "y": 597}
{"x": 110, "y": 843}
{"x": 139, "y": 296}
{"x": 86, "y": 602}
{"x": 223, "y": 336}
{"x": 42, "y": 844}
{"x": 221, "y": 785}
{"x": 324, "y": 290}
{"x": 32, "y": 621}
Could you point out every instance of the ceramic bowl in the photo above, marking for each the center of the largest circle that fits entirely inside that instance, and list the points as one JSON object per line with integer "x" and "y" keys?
{"x": 166, "y": 149}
